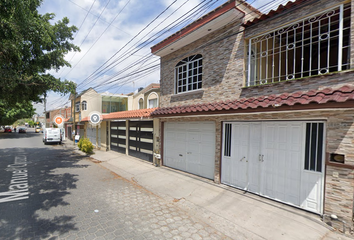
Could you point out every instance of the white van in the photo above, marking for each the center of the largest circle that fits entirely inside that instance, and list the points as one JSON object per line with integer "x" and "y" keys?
{"x": 52, "y": 135}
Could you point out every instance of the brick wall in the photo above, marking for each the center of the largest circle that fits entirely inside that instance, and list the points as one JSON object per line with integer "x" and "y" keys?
{"x": 222, "y": 52}
{"x": 223, "y": 63}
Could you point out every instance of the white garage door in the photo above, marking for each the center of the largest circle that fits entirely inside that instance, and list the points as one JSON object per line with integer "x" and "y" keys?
{"x": 91, "y": 134}
{"x": 279, "y": 160}
{"x": 190, "y": 147}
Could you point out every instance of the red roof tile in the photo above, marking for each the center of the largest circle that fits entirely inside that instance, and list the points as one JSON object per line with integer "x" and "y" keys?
{"x": 272, "y": 13}
{"x": 141, "y": 113}
{"x": 339, "y": 95}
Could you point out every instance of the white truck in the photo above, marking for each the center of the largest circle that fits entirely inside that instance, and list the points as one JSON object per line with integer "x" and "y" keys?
{"x": 52, "y": 135}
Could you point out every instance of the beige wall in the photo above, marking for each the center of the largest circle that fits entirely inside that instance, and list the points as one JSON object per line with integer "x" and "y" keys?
{"x": 145, "y": 95}
{"x": 94, "y": 103}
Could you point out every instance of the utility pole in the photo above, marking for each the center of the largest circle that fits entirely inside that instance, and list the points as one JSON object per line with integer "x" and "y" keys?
{"x": 74, "y": 117}
{"x": 45, "y": 109}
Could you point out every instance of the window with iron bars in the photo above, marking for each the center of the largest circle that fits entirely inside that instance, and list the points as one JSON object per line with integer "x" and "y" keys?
{"x": 313, "y": 46}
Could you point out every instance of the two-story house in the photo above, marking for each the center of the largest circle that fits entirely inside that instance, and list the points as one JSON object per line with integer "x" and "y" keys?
{"x": 134, "y": 132}
{"x": 264, "y": 102}
{"x": 90, "y": 101}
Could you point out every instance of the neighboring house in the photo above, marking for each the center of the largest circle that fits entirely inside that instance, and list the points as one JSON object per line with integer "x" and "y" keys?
{"x": 143, "y": 98}
{"x": 134, "y": 132}
{"x": 50, "y": 115}
{"x": 64, "y": 112}
{"x": 90, "y": 101}
{"x": 264, "y": 103}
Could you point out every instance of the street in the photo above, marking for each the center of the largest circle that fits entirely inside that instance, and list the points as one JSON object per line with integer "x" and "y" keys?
{"x": 50, "y": 192}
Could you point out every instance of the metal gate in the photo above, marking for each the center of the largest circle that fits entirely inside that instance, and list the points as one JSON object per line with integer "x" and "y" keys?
{"x": 141, "y": 139}
{"x": 118, "y": 136}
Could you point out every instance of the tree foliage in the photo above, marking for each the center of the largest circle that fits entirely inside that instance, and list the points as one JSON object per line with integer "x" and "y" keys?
{"x": 30, "y": 46}
{"x": 9, "y": 114}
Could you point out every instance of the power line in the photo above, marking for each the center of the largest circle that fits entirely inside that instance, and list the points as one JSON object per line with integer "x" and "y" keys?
{"x": 148, "y": 70}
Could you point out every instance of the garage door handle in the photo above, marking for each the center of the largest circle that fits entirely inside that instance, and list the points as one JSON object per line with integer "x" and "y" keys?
{"x": 180, "y": 155}
{"x": 261, "y": 158}
{"x": 242, "y": 158}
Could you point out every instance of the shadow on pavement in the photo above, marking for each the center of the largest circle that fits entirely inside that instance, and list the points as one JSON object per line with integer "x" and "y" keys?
{"x": 48, "y": 184}
{"x": 17, "y": 135}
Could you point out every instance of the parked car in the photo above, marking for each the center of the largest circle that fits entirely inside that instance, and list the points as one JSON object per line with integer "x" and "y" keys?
{"x": 52, "y": 135}
{"x": 38, "y": 130}
{"x": 8, "y": 129}
{"x": 22, "y": 130}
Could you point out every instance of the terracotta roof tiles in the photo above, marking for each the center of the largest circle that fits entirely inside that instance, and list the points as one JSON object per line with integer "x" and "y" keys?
{"x": 280, "y": 9}
{"x": 141, "y": 113}
{"x": 339, "y": 95}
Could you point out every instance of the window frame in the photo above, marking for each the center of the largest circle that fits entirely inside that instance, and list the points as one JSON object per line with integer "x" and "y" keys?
{"x": 77, "y": 107}
{"x": 142, "y": 103}
{"x": 84, "y": 103}
{"x": 188, "y": 77}
{"x": 314, "y": 151}
{"x": 311, "y": 46}
{"x": 157, "y": 99}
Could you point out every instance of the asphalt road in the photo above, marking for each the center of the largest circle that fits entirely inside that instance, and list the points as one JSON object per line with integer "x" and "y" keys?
{"x": 51, "y": 192}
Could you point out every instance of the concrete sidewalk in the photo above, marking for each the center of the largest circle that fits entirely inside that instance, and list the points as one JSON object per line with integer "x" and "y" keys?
{"x": 237, "y": 214}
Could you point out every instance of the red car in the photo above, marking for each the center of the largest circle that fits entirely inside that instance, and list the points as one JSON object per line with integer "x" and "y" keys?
{"x": 8, "y": 129}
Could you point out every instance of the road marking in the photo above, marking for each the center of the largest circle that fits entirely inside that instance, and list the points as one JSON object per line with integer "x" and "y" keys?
{"x": 18, "y": 188}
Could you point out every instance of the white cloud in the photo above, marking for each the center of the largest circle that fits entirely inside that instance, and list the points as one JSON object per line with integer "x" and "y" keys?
{"x": 135, "y": 16}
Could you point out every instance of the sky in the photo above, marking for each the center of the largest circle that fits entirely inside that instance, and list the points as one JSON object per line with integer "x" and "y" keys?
{"x": 115, "y": 37}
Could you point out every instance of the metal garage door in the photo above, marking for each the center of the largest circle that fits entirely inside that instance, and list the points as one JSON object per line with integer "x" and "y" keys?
{"x": 118, "y": 136}
{"x": 279, "y": 160}
{"x": 141, "y": 139}
{"x": 190, "y": 147}
{"x": 91, "y": 134}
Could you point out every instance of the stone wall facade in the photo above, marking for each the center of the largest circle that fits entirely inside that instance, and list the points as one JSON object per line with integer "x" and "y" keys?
{"x": 224, "y": 55}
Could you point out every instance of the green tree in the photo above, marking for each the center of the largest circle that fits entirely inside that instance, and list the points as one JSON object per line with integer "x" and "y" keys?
{"x": 8, "y": 115}
{"x": 30, "y": 46}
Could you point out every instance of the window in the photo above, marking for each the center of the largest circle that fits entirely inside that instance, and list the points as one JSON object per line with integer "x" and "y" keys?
{"x": 153, "y": 100}
{"x": 141, "y": 103}
{"x": 84, "y": 106}
{"x": 188, "y": 74}
{"x": 313, "y": 46}
{"x": 153, "y": 103}
{"x": 114, "y": 104}
{"x": 77, "y": 107}
{"x": 314, "y": 146}
{"x": 227, "y": 139}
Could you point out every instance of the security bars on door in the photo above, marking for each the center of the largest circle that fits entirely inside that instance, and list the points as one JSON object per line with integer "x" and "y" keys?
{"x": 313, "y": 46}
{"x": 314, "y": 146}
{"x": 227, "y": 139}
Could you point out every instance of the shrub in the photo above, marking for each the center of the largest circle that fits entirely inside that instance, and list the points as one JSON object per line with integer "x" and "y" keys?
{"x": 86, "y": 145}
{"x": 79, "y": 144}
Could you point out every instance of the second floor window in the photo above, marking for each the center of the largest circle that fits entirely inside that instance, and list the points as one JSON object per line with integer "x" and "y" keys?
{"x": 316, "y": 45}
{"x": 188, "y": 74}
{"x": 77, "y": 107}
{"x": 141, "y": 103}
{"x": 153, "y": 103}
{"x": 84, "y": 106}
